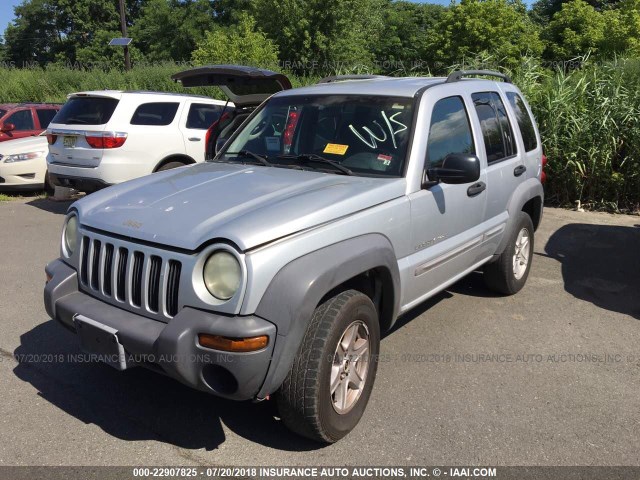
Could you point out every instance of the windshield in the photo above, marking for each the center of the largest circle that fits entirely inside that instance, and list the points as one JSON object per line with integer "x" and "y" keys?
{"x": 2, "y": 112}
{"x": 362, "y": 134}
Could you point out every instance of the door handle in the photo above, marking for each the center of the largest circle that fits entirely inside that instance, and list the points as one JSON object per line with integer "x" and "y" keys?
{"x": 519, "y": 170}
{"x": 476, "y": 189}
{"x": 194, "y": 139}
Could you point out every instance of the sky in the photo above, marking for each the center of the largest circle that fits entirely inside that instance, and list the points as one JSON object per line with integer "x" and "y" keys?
{"x": 6, "y": 12}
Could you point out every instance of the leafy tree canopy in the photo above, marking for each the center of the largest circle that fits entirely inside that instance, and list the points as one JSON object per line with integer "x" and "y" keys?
{"x": 497, "y": 27}
{"x": 576, "y": 29}
{"x": 241, "y": 43}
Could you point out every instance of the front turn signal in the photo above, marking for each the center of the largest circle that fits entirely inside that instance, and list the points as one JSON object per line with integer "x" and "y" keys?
{"x": 226, "y": 344}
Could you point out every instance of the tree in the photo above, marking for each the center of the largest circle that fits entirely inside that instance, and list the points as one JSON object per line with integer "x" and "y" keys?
{"x": 322, "y": 35}
{"x": 100, "y": 54}
{"x": 170, "y": 30}
{"x": 228, "y": 12}
{"x": 622, "y": 30}
{"x": 407, "y": 25}
{"x": 54, "y": 30}
{"x": 576, "y": 30}
{"x": 542, "y": 11}
{"x": 500, "y": 28}
{"x": 35, "y": 35}
{"x": 241, "y": 44}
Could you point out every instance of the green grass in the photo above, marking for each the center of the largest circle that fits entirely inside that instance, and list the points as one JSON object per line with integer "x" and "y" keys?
{"x": 9, "y": 197}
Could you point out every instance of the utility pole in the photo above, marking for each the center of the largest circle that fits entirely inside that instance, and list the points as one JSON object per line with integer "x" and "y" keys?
{"x": 123, "y": 27}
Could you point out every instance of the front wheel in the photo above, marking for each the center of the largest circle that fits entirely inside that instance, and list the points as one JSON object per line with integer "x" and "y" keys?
{"x": 508, "y": 274}
{"x": 330, "y": 381}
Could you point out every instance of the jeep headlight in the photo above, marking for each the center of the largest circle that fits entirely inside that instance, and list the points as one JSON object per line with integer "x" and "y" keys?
{"x": 222, "y": 275}
{"x": 70, "y": 235}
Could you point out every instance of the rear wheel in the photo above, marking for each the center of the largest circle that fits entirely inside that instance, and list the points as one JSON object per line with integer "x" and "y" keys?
{"x": 508, "y": 274}
{"x": 170, "y": 165}
{"x": 329, "y": 384}
{"x": 49, "y": 189}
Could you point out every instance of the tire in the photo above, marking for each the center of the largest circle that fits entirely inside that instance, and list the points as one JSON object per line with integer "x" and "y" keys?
{"x": 49, "y": 189}
{"x": 170, "y": 165}
{"x": 305, "y": 401}
{"x": 505, "y": 275}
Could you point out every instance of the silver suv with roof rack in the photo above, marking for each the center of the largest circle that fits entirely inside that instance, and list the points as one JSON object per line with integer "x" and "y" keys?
{"x": 273, "y": 268}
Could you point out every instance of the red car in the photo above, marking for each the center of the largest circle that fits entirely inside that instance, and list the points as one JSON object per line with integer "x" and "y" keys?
{"x": 18, "y": 120}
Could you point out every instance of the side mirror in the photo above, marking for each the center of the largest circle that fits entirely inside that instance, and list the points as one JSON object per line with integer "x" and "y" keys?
{"x": 456, "y": 168}
{"x": 8, "y": 127}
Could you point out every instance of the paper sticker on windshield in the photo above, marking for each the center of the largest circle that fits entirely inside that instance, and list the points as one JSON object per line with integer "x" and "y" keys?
{"x": 272, "y": 143}
{"x": 397, "y": 106}
{"x": 335, "y": 149}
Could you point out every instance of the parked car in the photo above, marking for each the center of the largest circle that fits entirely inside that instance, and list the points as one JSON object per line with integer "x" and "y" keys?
{"x": 107, "y": 137}
{"x": 273, "y": 269}
{"x": 19, "y": 120}
{"x": 23, "y": 164}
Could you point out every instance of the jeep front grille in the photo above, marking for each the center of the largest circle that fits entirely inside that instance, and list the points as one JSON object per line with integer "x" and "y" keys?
{"x": 130, "y": 276}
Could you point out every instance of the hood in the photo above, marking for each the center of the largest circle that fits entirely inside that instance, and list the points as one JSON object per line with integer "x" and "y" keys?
{"x": 247, "y": 205}
{"x": 24, "y": 145}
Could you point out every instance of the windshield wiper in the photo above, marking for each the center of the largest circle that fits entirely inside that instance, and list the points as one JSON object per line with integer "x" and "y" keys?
{"x": 259, "y": 158}
{"x": 312, "y": 157}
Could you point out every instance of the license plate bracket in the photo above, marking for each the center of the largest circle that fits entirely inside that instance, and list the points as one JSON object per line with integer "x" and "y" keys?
{"x": 69, "y": 141}
{"x": 102, "y": 340}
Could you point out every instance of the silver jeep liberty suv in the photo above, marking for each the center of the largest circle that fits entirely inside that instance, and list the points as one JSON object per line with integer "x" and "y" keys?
{"x": 329, "y": 211}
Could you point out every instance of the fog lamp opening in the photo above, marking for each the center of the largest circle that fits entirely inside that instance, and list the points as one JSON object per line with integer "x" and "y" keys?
{"x": 227, "y": 344}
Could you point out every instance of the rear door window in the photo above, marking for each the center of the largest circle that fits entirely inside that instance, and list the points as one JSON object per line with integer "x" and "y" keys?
{"x": 496, "y": 130}
{"x": 86, "y": 111}
{"x": 525, "y": 122}
{"x": 450, "y": 131}
{"x": 202, "y": 116}
{"x": 45, "y": 115}
{"x": 157, "y": 113}
{"x": 22, "y": 120}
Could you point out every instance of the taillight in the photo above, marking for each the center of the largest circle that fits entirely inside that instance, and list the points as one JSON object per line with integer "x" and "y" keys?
{"x": 543, "y": 175}
{"x": 289, "y": 130}
{"x": 207, "y": 139}
{"x": 51, "y": 138}
{"x": 216, "y": 127}
{"x": 106, "y": 139}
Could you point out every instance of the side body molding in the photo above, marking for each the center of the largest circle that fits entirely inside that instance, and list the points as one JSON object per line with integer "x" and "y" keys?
{"x": 298, "y": 287}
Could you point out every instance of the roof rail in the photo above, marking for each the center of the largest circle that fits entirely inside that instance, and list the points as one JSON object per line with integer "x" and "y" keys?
{"x": 459, "y": 74}
{"x": 342, "y": 78}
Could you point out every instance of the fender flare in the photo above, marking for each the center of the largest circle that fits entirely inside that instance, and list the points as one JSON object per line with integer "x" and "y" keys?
{"x": 527, "y": 190}
{"x": 299, "y": 286}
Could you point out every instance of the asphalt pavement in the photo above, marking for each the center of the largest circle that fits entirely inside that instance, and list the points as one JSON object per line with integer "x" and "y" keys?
{"x": 550, "y": 376}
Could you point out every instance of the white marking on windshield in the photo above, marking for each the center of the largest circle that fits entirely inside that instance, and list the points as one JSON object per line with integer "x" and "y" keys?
{"x": 371, "y": 143}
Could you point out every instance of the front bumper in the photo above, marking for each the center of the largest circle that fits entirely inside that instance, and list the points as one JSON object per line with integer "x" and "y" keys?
{"x": 171, "y": 348}
{"x": 25, "y": 175}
